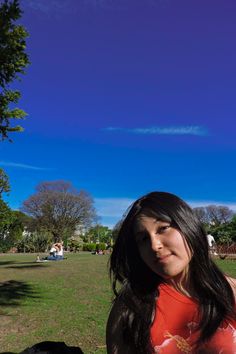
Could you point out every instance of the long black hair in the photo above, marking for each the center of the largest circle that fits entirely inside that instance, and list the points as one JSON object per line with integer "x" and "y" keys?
{"x": 140, "y": 284}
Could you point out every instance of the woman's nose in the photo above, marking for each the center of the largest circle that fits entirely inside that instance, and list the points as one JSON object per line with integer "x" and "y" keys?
{"x": 156, "y": 243}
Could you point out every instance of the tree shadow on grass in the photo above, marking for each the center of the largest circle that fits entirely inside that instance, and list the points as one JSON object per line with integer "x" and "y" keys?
{"x": 32, "y": 265}
{"x": 12, "y": 292}
{"x": 3, "y": 263}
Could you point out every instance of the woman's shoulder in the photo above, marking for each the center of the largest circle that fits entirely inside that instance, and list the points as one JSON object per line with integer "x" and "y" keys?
{"x": 232, "y": 283}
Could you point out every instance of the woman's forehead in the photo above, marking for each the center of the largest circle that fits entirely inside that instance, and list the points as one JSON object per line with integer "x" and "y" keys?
{"x": 142, "y": 220}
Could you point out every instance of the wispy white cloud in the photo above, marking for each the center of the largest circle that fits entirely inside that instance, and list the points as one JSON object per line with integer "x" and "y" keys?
{"x": 21, "y": 165}
{"x": 171, "y": 130}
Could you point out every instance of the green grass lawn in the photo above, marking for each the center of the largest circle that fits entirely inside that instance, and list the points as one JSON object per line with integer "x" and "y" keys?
{"x": 60, "y": 301}
{"x": 64, "y": 301}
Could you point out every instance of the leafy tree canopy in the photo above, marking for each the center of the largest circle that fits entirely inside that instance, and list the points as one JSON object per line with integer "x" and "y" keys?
{"x": 59, "y": 208}
{"x": 4, "y": 183}
{"x": 6, "y": 220}
{"x": 98, "y": 233}
{"x": 13, "y": 61}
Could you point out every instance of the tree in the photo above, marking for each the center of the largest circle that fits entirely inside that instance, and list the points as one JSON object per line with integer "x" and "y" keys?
{"x": 6, "y": 216}
{"x": 98, "y": 233}
{"x": 36, "y": 241}
{"x": 19, "y": 224}
{"x": 59, "y": 208}
{"x": 201, "y": 214}
{"x": 214, "y": 214}
{"x": 4, "y": 183}
{"x": 225, "y": 231}
{"x": 218, "y": 214}
{"x": 6, "y": 220}
{"x": 13, "y": 61}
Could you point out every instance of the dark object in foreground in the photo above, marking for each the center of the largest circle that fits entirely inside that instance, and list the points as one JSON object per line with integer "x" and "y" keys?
{"x": 52, "y": 348}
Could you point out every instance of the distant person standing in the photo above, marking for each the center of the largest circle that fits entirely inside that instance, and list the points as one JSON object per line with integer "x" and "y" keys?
{"x": 211, "y": 243}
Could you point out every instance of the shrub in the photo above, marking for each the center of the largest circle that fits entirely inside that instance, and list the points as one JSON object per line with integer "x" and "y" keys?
{"x": 74, "y": 245}
{"x": 89, "y": 247}
{"x": 4, "y": 246}
{"x": 101, "y": 246}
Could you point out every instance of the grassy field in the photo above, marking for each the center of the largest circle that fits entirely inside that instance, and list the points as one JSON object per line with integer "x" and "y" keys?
{"x": 60, "y": 301}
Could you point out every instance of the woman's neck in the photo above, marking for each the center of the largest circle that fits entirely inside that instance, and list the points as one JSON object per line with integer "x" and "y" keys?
{"x": 182, "y": 284}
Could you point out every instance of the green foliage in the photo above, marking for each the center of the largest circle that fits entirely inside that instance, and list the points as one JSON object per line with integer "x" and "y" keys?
{"x": 224, "y": 233}
{"x": 17, "y": 227}
{"x": 100, "y": 246}
{"x": 90, "y": 247}
{"x": 59, "y": 208}
{"x": 225, "y": 237}
{"x": 12, "y": 224}
{"x": 4, "y": 183}
{"x": 6, "y": 215}
{"x": 13, "y": 61}
{"x": 37, "y": 241}
{"x": 98, "y": 233}
{"x": 75, "y": 245}
{"x": 6, "y": 220}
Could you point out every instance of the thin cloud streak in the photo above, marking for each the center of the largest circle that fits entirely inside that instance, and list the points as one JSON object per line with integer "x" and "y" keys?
{"x": 21, "y": 165}
{"x": 172, "y": 130}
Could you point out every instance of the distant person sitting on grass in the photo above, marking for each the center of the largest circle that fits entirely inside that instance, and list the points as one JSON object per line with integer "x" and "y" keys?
{"x": 60, "y": 252}
{"x": 56, "y": 253}
{"x": 53, "y": 250}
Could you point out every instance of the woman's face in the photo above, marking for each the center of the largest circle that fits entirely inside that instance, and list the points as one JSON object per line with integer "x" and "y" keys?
{"x": 162, "y": 247}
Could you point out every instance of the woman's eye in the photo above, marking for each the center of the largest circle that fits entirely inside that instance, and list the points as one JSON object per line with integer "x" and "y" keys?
{"x": 163, "y": 229}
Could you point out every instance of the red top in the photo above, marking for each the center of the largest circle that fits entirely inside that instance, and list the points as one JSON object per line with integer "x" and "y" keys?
{"x": 172, "y": 331}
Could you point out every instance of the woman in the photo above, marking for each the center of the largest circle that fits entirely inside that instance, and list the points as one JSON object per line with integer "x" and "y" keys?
{"x": 60, "y": 250}
{"x": 173, "y": 299}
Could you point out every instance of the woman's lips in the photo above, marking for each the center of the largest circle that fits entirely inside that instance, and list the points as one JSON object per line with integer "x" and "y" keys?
{"x": 164, "y": 258}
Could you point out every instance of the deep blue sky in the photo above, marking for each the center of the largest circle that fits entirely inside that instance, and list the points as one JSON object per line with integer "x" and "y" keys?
{"x": 125, "y": 97}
